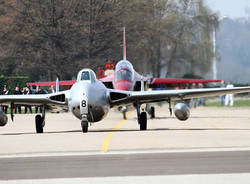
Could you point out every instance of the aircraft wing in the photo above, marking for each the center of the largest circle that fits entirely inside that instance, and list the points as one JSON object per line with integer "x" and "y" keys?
{"x": 168, "y": 82}
{"x": 54, "y": 101}
{"x": 141, "y": 97}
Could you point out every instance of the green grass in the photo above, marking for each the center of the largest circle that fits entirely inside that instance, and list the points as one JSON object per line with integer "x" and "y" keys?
{"x": 237, "y": 103}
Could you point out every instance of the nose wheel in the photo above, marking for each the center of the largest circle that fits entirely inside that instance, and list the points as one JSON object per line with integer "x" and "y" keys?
{"x": 85, "y": 124}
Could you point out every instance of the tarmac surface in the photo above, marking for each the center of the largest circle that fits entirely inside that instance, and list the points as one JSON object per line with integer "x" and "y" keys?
{"x": 143, "y": 164}
{"x": 116, "y": 148}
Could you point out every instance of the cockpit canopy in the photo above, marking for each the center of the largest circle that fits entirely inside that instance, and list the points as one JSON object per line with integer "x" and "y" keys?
{"x": 124, "y": 71}
{"x": 86, "y": 75}
{"x": 124, "y": 64}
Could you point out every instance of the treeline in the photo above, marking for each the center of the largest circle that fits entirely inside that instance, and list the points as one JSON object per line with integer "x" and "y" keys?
{"x": 48, "y": 38}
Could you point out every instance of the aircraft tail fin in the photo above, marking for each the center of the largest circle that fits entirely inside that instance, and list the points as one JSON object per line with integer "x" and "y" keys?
{"x": 57, "y": 85}
{"x": 124, "y": 44}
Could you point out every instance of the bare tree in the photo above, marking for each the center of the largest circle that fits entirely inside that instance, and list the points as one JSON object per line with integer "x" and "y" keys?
{"x": 49, "y": 38}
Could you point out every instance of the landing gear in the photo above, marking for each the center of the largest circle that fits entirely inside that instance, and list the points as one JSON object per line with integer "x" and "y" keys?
{"x": 170, "y": 107}
{"x": 143, "y": 121}
{"x": 138, "y": 110}
{"x": 124, "y": 115}
{"x": 152, "y": 112}
{"x": 84, "y": 124}
{"x": 39, "y": 124}
{"x": 11, "y": 111}
{"x": 40, "y": 121}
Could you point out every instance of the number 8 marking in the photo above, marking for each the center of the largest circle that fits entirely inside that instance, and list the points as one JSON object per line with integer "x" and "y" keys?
{"x": 84, "y": 103}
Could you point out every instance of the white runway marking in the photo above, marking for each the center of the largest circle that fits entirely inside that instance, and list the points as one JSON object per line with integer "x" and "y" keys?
{"x": 56, "y": 154}
{"x": 173, "y": 179}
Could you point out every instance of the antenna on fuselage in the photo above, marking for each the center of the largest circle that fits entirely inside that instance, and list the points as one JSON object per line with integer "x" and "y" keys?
{"x": 124, "y": 44}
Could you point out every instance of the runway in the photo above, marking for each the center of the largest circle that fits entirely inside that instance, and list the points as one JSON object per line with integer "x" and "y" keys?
{"x": 114, "y": 149}
{"x": 206, "y": 128}
{"x": 110, "y": 165}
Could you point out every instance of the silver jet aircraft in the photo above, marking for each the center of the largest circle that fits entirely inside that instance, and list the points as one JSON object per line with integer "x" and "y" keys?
{"x": 89, "y": 100}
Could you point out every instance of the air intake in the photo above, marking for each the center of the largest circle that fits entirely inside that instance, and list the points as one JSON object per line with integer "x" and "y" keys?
{"x": 114, "y": 96}
{"x": 58, "y": 98}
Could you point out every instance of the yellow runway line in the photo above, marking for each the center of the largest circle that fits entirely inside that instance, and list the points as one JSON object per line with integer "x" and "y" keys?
{"x": 108, "y": 137}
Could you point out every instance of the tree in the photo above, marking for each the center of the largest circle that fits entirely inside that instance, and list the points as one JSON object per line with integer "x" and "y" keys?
{"x": 49, "y": 38}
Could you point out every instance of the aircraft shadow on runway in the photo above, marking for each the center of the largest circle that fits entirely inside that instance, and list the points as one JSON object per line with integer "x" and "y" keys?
{"x": 49, "y": 132}
{"x": 129, "y": 130}
{"x": 200, "y": 117}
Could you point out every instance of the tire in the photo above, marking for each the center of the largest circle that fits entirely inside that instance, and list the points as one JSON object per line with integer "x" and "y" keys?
{"x": 152, "y": 112}
{"x": 124, "y": 115}
{"x": 39, "y": 124}
{"x": 143, "y": 121}
{"x": 85, "y": 126}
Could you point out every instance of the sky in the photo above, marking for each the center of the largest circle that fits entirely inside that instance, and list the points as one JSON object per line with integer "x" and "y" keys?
{"x": 230, "y": 8}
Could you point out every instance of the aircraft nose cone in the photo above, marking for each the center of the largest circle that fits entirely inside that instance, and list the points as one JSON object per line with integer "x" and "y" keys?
{"x": 123, "y": 85}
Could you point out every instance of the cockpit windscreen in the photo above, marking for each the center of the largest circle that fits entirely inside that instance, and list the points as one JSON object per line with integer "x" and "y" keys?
{"x": 85, "y": 75}
{"x": 123, "y": 74}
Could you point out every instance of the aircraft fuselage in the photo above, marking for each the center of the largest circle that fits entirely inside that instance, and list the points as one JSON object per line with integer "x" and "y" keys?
{"x": 91, "y": 96}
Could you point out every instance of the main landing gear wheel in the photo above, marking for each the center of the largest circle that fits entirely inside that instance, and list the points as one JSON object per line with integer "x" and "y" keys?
{"x": 152, "y": 110}
{"x": 85, "y": 126}
{"x": 39, "y": 124}
{"x": 124, "y": 115}
{"x": 143, "y": 121}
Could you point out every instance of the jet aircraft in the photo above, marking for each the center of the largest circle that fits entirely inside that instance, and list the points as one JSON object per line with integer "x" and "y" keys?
{"x": 127, "y": 79}
{"x": 90, "y": 100}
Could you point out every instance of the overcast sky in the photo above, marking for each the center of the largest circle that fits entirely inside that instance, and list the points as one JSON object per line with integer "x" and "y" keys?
{"x": 231, "y": 8}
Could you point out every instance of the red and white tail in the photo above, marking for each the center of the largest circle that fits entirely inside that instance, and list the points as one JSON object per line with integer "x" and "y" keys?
{"x": 124, "y": 44}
